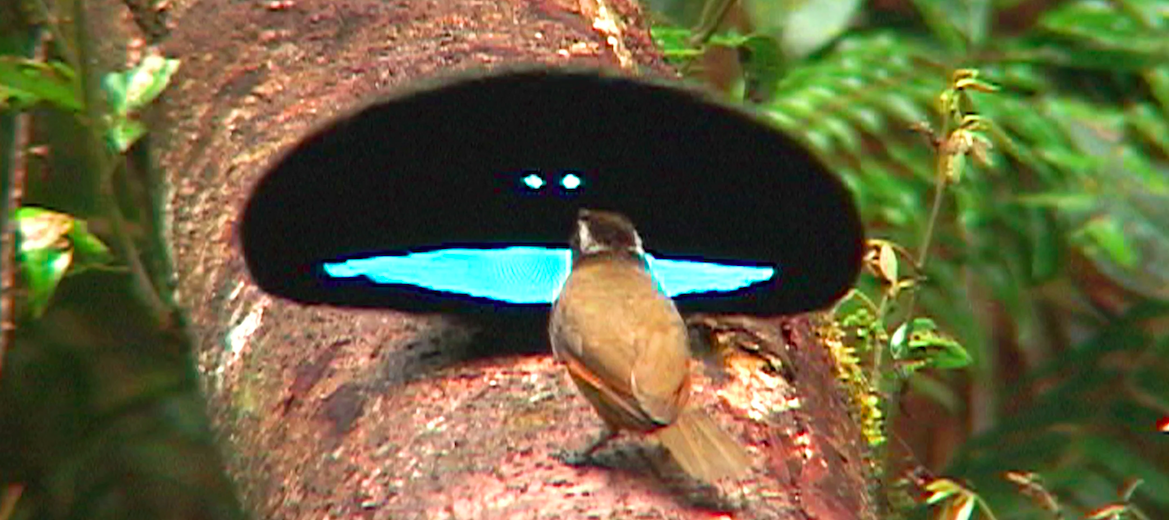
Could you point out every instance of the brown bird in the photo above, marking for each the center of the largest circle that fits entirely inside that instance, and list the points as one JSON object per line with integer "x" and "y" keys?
{"x": 626, "y": 348}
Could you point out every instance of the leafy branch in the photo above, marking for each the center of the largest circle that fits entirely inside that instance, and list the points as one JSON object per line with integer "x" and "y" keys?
{"x": 106, "y": 108}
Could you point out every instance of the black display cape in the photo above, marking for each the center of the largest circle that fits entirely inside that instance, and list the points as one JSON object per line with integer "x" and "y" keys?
{"x": 448, "y": 164}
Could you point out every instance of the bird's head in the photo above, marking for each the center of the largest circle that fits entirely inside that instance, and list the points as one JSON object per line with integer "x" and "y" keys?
{"x": 600, "y": 232}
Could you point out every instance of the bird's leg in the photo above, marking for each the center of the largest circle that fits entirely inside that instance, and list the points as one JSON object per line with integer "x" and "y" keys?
{"x": 585, "y": 456}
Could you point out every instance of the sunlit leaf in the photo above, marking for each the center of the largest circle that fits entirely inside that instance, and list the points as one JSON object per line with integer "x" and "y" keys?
{"x": 920, "y": 340}
{"x": 887, "y": 263}
{"x": 124, "y": 132}
{"x": 673, "y": 41}
{"x": 88, "y": 249}
{"x": 45, "y": 253}
{"x": 940, "y": 489}
{"x": 135, "y": 88}
{"x": 26, "y": 82}
{"x": 961, "y": 508}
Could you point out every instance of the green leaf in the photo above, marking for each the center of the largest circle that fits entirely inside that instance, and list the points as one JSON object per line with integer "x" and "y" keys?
{"x": 1158, "y": 82}
{"x": 673, "y": 41}
{"x": 920, "y": 340}
{"x": 44, "y": 252}
{"x": 730, "y": 39}
{"x": 866, "y": 118}
{"x": 1150, "y": 125}
{"x": 1069, "y": 201}
{"x": 1101, "y": 24}
{"x": 1096, "y": 34}
{"x": 43, "y": 270}
{"x": 123, "y": 132}
{"x": 1103, "y": 235}
{"x": 1148, "y": 13}
{"x": 1129, "y": 240}
{"x": 942, "y": 488}
{"x": 88, "y": 250}
{"x": 1018, "y": 77}
{"x": 908, "y": 110}
{"x": 135, "y": 88}
{"x": 25, "y": 82}
{"x": 51, "y": 245}
{"x": 844, "y": 134}
{"x": 762, "y": 67}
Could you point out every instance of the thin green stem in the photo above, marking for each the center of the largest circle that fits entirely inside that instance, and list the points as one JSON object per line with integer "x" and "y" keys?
{"x": 927, "y": 239}
{"x": 879, "y": 346}
{"x": 939, "y": 191}
{"x": 888, "y": 411}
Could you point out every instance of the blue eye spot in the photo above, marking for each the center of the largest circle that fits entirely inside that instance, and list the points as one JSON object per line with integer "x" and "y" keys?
{"x": 570, "y": 181}
{"x": 533, "y": 181}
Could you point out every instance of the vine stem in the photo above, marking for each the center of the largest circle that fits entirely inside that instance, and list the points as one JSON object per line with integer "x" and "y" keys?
{"x": 919, "y": 266}
{"x": 942, "y": 181}
{"x": 927, "y": 239}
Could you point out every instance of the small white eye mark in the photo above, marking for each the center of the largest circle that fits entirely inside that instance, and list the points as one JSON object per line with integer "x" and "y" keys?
{"x": 533, "y": 180}
{"x": 570, "y": 181}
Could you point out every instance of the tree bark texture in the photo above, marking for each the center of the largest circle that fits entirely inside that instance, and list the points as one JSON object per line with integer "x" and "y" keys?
{"x": 335, "y": 413}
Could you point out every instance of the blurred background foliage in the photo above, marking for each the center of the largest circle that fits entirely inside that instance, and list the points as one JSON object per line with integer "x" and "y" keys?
{"x": 100, "y": 411}
{"x": 1050, "y": 265}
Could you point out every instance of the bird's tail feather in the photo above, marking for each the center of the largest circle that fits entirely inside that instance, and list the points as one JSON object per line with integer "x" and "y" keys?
{"x": 702, "y": 449}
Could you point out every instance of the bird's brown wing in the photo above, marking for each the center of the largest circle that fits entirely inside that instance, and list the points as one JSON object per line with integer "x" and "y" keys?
{"x": 661, "y": 372}
{"x": 635, "y": 335}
